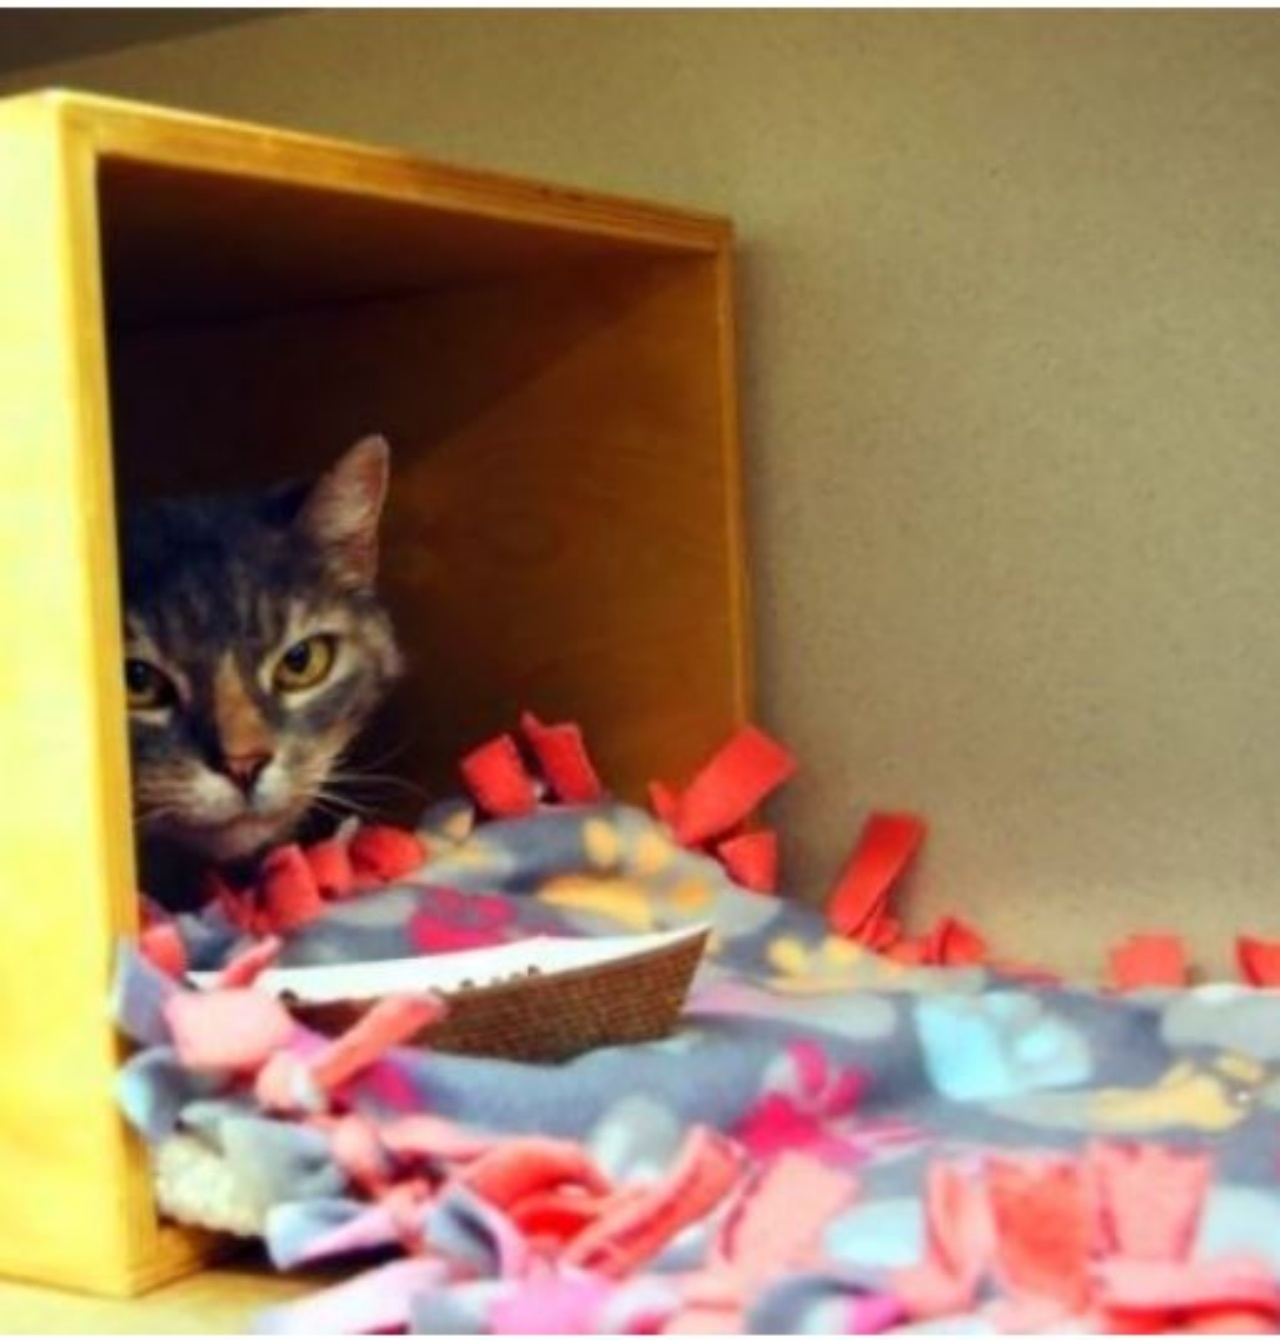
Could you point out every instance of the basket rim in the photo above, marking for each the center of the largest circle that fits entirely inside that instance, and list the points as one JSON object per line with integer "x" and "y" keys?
{"x": 692, "y": 947}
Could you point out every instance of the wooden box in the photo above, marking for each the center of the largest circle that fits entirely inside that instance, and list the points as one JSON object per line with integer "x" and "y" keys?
{"x": 186, "y": 304}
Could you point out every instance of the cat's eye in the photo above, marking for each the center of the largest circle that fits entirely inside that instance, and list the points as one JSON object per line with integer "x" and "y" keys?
{"x": 306, "y": 663}
{"x": 148, "y": 688}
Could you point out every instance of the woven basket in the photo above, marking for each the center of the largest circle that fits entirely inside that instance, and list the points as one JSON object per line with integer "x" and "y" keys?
{"x": 548, "y": 1018}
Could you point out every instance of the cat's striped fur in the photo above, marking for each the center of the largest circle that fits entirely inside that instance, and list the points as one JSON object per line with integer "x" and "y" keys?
{"x": 225, "y": 598}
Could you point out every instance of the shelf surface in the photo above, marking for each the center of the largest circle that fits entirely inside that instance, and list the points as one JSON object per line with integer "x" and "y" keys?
{"x": 222, "y": 1301}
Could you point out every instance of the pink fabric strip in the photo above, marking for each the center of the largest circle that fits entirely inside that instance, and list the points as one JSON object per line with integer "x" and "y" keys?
{"x": 710, "y": 1165}
{"x": 393, "y": 1020}
{"x": 960, "y": 1244}
{"x": 251, "y": 963}
{"x": 1184, "y": 1286}
{"x": 780, "y": 1220}
{"x": 776, "y": 1226}
{"x": 235, "y": 1029}
{"x": 1150, "y": 1198}
{"x": 521, "y": 1167}
{"x": 374, "y": 1303}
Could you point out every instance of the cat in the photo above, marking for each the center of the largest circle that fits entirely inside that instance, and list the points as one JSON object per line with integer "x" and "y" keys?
{"x": 256, "y": 650}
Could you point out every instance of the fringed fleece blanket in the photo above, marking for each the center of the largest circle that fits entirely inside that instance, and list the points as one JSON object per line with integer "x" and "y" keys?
{"x": 830, "y": 1142}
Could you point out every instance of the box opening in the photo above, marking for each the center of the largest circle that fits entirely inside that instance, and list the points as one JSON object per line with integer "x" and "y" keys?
{"x": 561, "y": 530}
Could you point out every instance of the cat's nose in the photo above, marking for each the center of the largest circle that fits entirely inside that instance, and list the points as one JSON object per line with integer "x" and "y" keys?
{"x": 245, "y": 769}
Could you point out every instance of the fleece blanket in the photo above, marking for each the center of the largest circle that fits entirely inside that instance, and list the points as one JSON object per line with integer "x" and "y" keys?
{"x": 831, "y": 1141}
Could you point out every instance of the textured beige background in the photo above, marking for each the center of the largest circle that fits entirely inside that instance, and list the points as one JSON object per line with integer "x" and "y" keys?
{"x": 37, "y": 36}
{"x": 1011, "y": 301}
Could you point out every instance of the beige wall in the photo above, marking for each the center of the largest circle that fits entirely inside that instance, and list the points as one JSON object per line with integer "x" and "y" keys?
{"x": 1011, "y": 301}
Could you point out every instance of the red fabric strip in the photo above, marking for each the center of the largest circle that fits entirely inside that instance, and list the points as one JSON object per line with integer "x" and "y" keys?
{"x": 555, "y": 1217}
{"x": 749, "y": 768}
{"x": 954, "y": 944}
{"x": 1149, "y": 960}
{"x": 381, "y": 854}
{"x": 883, "y": 853}
{"x": 1259, "y": 960}
{"x": 562, "y": 756}
{"x": 884, "y": 932}
{"x": 522, "y": 1167}
{"x": 496, "y": 776}
{"x": 752, "y": 860}
{"x": 1043, "y": 1226}
{"x": 664, "y": 801}
{"x": 330, "y": 863}
{"x": 616, "y": 1245}
{"x": 290, "y": 896}
{"x": 162, "y": 946}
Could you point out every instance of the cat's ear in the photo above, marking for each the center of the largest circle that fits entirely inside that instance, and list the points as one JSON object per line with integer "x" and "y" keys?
{"x": 341, "y": 509}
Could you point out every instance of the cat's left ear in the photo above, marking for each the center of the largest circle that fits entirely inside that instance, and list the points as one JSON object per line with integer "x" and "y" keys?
{"x": 341, "y": 509}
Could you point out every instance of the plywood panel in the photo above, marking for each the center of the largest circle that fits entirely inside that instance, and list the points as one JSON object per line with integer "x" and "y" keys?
{"x": 184, "y": 244}
{"x": 563, "y": 529}
{"x": 76, "y": 1208}
{"x": 222, "y": 1301}
{"x": 203, "y": 219}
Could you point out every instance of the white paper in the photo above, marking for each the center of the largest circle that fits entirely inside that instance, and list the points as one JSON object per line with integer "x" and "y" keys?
{"x": 449, "y": 972}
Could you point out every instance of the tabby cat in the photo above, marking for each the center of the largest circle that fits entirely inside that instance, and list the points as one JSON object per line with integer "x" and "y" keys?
{"x": 256, "y": 649}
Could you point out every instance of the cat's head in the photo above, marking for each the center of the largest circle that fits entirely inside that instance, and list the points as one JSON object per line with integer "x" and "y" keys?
{"x": 255, "y": 650}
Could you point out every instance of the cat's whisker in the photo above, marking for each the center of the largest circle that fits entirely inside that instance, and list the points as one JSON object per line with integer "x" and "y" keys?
{"x": 328, "y": 810}
{"x": 337, "y": 798}
{"x": 331, "y": 803}
{"x": 353, "y": 755}
{"x": 376, "y": 780}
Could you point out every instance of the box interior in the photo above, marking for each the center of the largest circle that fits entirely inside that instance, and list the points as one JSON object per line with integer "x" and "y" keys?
{"x": 561, "y": 532}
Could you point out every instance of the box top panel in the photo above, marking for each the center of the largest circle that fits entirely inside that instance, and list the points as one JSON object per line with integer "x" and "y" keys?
{"x": 202, "y": 218}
